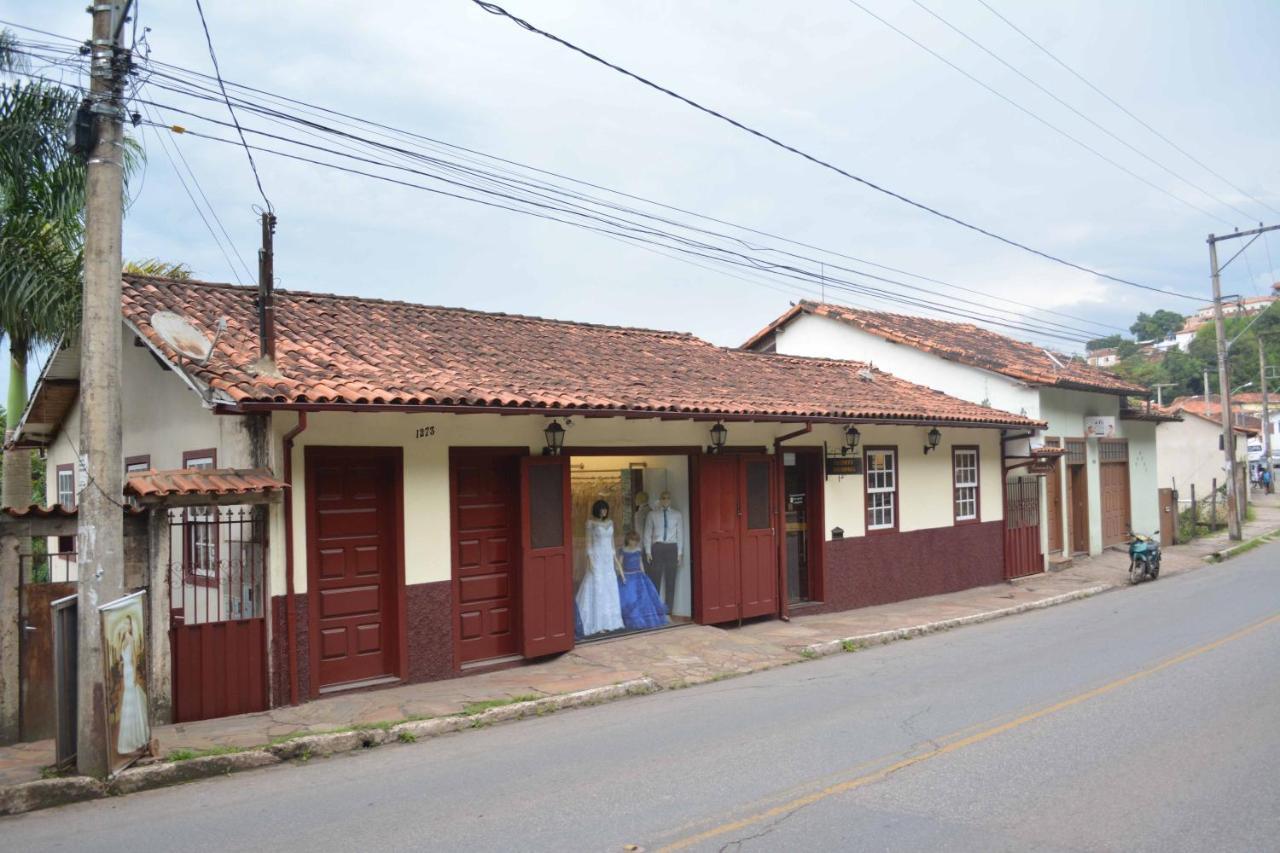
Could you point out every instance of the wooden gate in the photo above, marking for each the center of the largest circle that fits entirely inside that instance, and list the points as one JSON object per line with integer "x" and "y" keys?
{"x": 1022, "y": 555}
{"x": 42, "y": 579}
{"x": 217, "y": 611}
{"x": 1168, "y": 499}
{"x": 1113, "y": 476}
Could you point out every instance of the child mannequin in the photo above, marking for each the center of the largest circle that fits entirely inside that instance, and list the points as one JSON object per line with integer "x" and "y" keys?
{"x": 642, "y": 607}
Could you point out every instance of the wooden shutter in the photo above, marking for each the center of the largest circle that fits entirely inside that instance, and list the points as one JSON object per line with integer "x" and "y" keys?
{"x": 717, "y": 591}
{"x": 546, "y": 576}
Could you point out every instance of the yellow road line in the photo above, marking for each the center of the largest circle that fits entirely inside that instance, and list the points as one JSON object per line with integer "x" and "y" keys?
{"x": 979, "y": 737}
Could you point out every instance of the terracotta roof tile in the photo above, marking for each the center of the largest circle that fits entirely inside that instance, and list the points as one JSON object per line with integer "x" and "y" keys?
{"x": 967, "y": 344}
{"x": 359, "y": 351}
{"x": 201, "y": 481}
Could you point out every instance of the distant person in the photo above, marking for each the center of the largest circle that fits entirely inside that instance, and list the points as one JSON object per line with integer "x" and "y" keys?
{"x": 1267, "y": 478}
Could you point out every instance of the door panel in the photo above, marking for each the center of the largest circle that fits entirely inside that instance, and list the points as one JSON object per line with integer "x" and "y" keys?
{"x": 1114, "y": 478}
{"x": 759, "y": 547}
{"x": 1079, "y": 503}
{"x": 485, "y": 536}
{"x": 352, "y": 532}
{"x": 718, "y": 579}
{"x": 546, "y": 580}
{"x": 1053, "y": 489}
{"x": 38, "y": 716}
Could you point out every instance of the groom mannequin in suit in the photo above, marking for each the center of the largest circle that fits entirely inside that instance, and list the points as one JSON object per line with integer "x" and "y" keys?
{"x": 663, "y": 542}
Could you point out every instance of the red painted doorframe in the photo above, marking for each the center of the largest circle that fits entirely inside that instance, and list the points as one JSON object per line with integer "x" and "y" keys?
{"x": 815, "y": 518}
{"x": 397, "y": 609}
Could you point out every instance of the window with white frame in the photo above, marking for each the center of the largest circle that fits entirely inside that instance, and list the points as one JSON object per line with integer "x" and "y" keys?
{"x": 882, "y": 489}
{"x": 67, "y": 485}
{"x": 965, "y": 478}
{"x": 201, "y": 527}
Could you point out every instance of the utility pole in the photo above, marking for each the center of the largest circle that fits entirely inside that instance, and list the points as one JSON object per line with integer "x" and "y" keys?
{"x": 1266, "y": 411}
{"x": 100, "y": 469}
{"x": 1160, "y": 386}
{"x": 1224, "y": 384}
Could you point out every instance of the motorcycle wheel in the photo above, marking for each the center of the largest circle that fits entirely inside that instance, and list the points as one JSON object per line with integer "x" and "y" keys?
{"x": 1137, "y": 569}
{"x": 1155, "y": 570}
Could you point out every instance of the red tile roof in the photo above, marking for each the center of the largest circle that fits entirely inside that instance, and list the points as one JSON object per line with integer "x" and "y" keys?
{"x": 967, "y": 344}
{"x": 351, "y": 350}
{"x": 201, "y": 481}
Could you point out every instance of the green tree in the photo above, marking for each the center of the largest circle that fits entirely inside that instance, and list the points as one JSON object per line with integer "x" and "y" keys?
{"x": 1109, "y": 342}
{"x": 1157, "y": 326}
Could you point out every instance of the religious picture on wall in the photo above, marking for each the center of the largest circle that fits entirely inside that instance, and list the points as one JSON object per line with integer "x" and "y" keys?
{"x": 664, "y": 546}
{"x": 642, "y": 607}
{"x": 125, "y": 676}
{"x": 598, "y": 603}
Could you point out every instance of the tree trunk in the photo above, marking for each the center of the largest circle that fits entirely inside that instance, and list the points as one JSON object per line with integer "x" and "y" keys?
{"x": 16, "y": 487}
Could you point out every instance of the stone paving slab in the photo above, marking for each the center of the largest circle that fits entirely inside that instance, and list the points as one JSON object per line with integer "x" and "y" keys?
{"x": 678, "y": 657}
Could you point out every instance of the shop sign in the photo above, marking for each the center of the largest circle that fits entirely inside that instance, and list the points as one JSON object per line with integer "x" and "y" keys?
{"x": 844, "y": 466}
{"x": 1099, "y": 427}
{"x": 124, "y": 662}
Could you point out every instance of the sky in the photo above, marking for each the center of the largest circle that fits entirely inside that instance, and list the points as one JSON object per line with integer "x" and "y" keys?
{"x": 823, "y": 75}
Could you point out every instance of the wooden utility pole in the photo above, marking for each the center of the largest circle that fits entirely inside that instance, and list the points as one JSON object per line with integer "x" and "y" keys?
{"x": 100, "y": 469}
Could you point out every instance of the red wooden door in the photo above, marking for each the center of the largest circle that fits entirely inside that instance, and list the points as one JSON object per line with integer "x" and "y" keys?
{"x": 717, "y": 590}
{"x": 546, "y": 576}
{"x": 486, "y": 554}
{"x": 759, "y": 549}
{"x": 352, "y": 528}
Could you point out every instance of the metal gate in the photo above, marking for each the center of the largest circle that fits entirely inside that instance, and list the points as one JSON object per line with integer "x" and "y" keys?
{"x": 42, "y": 579}
{"x": 217, "y": 609}
{"x": 1022, "y": 555}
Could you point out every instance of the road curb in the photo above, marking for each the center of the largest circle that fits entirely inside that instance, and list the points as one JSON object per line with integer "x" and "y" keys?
{"x": 46, "y": 793}
{"x": 830, "y": 647}
{"x": 1235, "y": 550}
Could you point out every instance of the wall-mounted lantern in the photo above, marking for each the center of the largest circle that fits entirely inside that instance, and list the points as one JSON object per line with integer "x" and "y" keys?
{"x": 719, "y": 435}
{"x": 554, "y": 434}
{"x": 851, "y": 439}
{"x": 934, "y": 437}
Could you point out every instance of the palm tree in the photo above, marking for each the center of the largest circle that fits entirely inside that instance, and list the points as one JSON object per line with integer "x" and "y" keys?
{"x": 41, "y": 229}
{"x": 159, "y": 269}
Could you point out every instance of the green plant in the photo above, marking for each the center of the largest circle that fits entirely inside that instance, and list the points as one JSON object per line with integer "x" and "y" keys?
{"x": 808, "y": 654}
{"x": 473, "y": 708}
{"x": 407, "y": 737}
{"x": 850, "y": 645}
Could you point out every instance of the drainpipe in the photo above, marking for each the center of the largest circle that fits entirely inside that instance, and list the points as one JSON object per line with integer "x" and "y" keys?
{"x": 780, "y": 490}
{"x": 291, "y": 613}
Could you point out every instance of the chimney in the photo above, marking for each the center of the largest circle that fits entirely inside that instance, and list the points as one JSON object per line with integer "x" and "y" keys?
{"x": 266, "y": 292}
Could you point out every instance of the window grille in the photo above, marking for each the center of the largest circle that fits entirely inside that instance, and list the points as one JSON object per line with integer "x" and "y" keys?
{"x": 1113, "y": 450}
{"x": 1075, "y": 451}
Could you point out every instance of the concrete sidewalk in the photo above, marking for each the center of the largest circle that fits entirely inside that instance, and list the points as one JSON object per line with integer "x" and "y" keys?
{"x": 669, "y": 659}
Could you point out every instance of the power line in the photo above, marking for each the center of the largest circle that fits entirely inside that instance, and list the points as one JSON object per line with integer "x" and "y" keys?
{"x": 1126, "y": 111}
{"x": 1077, "y": 112}
{"x": 218, "y": 73}
{"x": 418, "y": 139}
{"x": 498, "y": 10}
{"x": 1086, "y": 146}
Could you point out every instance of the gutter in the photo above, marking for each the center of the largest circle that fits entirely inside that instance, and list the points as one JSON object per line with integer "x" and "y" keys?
{"x": 779, "y": 492}
{"x": 291, "y": 614}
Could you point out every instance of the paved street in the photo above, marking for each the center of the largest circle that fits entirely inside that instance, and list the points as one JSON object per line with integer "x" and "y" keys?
{"x": 1140, "y": 719}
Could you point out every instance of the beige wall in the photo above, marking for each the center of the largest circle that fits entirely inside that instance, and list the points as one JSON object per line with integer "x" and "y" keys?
{"x": 924, "y": 490}
{"x": 160, "y": 416}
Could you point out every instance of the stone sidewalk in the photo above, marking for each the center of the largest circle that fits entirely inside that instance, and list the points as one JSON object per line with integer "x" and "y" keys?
{"x": 678, "y": 657}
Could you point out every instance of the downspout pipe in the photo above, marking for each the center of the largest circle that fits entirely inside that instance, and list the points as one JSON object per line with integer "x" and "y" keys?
{"x": 291, "y": 611}
{"x": 780, "y": 492}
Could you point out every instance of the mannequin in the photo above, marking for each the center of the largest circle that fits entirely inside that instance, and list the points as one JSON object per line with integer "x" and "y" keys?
{"x": 664, "y": 547}
{"x": 598, "y": 603}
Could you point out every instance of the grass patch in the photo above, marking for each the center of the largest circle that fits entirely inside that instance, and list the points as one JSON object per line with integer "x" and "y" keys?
{"x": 808, "y": 654}
{"x": 850, "y": 645}
{"x": 407, "y": 737}
{"x": 188, "y": 754}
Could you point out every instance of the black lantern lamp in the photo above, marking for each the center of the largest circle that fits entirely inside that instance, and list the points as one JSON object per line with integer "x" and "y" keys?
{"x": 554, "y": 434}
{"x": 934, "y": 437}
{"x": 851, "y": 439}
{"x": 719, "y": 435}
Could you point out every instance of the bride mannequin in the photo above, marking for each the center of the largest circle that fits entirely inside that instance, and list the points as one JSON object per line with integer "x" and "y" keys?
{"x": 598, "y": 602}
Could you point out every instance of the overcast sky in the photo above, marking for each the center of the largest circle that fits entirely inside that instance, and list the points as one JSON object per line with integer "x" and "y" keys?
{"x": 821, "y": 74}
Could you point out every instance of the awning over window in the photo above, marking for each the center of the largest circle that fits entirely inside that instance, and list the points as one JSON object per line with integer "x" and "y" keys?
{"x": 219, "y": 485}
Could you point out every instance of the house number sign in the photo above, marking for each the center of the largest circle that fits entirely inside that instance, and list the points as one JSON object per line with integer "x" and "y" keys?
{"x": 424, "y": 432}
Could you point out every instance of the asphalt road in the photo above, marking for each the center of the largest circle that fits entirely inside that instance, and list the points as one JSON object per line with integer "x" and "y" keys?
{"x": 1143, "y": 719}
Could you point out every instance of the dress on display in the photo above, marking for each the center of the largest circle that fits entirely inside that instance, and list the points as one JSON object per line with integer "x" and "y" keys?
{"x": 597, "y": 598}
{"x": 133, "y": 733}
{"x": 642, "y": 607}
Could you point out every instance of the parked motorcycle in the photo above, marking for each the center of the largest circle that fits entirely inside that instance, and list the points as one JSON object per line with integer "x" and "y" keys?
{"x": 1144, "y": 557}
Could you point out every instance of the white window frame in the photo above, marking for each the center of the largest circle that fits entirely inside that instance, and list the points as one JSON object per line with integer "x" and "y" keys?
{"x": 964, "y": 481}
{"x": 67, "y": 496}
{"x": 882, "y": 489}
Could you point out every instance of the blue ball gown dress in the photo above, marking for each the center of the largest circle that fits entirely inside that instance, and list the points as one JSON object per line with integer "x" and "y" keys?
{"x": 642, "y": 607}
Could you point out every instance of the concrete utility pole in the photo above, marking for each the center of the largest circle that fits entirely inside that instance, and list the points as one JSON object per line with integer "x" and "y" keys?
{"x": 100, "y": 469}
{"x": 1224, "y": 386}
{"x": 1266, "y": 411}
{"x": 1160, "y": 386}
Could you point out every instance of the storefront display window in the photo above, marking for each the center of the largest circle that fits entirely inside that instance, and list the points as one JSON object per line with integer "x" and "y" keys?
{"x": 631, "y": 535}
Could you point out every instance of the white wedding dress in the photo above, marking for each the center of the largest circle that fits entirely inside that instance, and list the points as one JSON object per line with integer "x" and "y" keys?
{"x": 599, "y": 607}
{"x": 133, "y": 705}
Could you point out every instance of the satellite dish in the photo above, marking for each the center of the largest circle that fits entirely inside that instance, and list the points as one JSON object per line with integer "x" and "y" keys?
{"x": 176, "y": 331}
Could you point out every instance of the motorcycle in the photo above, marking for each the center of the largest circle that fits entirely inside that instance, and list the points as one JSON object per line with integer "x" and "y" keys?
{"x": 1144, "y": 557}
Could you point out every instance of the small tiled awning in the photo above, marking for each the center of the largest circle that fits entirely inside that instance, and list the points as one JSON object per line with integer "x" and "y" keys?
{"x": 204, "y": 485}
{"x": 1151, "y": 416}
